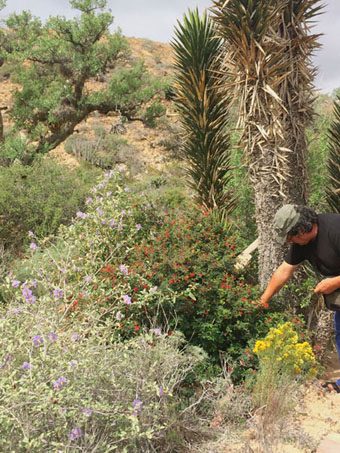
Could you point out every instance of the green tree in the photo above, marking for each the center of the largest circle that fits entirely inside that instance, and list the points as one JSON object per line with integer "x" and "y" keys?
{"x": 60, "y": 59}
{"x": 203, "y": 107}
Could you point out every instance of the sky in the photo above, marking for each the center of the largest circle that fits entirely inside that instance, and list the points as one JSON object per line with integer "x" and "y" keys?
{"x": 156, "y": 19}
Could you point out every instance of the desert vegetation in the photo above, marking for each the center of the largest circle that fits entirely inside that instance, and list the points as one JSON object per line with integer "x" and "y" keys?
{"x": 126, "y": 324}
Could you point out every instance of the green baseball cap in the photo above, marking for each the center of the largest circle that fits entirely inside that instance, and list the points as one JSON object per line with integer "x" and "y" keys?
{"x": 285, "y": 219}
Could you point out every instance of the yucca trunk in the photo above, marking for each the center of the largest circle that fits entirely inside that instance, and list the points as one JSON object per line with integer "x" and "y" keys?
{"x": 268, "y": 55}
{"x": 203, "y": 107}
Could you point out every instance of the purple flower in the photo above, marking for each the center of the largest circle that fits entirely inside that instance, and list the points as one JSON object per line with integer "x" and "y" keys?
{"x": 73, "y": 364}
{"x": 112, "y": 223}
{"x": 123, "y": 269}
{"x": 74, "y": 337}
{"x": 33, "y": 245}
{"x": 58, "y": 384}
{"x": 137, "y": 404}
{"x": 118, "y": 316}
{"x": 154, "y": 289}
{"x": 87, "y": 411}
{"x": 127, "y": 189}
{"x": 108, "y": 194}
{"x": 87, "y": 278}
{"x": 157, "y": 331}
{"x": 30, "y": 299}
{"x": 123, "y": 213}
{"x": 26, "y": 365}
{"x": 15, "y": 283}
{"x": 75, "y": 434}
{"x": 31, "y": 234}
{"x": 100, "y": 212}
{"x": 52, "y": 336}
{"x": 138, "y": 226}
{"x": 88, "y": 201}
{"x": 127, "y": 299}
{"x": 9, "y": 358}
{"x": 81, "y": 215}
{"x": 34, "y": 283}
{"x": 26, "y": 292}
{"x": 37, "y": 340}
{"x": 161, "y": 391}
{"x": 57, "y": 293}
{"x": 63, "y": 410}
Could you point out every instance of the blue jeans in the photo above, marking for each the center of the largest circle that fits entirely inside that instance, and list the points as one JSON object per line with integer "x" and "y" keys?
{"x": 337, "y": 334}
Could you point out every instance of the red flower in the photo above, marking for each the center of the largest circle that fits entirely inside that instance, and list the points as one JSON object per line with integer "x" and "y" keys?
{"x": 169, "y": 333}
{"x": 137, "y": 328}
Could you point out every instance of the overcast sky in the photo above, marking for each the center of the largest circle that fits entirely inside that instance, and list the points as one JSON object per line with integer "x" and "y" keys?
{"x": 155, "y": 20}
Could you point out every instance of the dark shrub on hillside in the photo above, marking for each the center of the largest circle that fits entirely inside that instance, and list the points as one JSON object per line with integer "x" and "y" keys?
{"x": 39, "y": 198}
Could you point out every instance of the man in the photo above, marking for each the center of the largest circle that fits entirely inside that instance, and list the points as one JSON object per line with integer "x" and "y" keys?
{"x": 315, "y": 238}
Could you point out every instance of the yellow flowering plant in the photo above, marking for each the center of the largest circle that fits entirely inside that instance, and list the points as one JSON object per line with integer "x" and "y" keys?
{"x": 284, "y": 363}
{"x": 281, "y": 350}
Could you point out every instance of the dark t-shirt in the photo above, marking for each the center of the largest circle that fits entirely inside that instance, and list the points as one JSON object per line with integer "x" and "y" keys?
{"x": 323, "y": 251}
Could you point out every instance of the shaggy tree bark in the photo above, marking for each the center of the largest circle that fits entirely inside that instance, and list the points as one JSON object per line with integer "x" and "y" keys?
{"x": 267, "y": 61}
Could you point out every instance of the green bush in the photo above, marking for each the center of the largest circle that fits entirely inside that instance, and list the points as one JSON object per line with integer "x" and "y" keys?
{"x": 152, "y": 113}
{"x": 39, "y": 198}
{"x": 15, "y": 149}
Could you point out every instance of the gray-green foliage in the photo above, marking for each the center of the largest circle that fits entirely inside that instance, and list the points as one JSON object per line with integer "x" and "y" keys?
{"x": 203, "y": 106}
{"x": 63, "y": 56}
{"x": 101, "y": 151}
{"x": 70, "y": 388}
{"x": 68, "y": 381}
{"x": 39, "y": 198}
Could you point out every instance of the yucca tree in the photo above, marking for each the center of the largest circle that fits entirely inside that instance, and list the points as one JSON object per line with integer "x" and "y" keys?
{"x": 203, "y": 107}
{"x": 296, "y": 90}
{"x": 333, "y": 164}
{"x": 267, "y": 57}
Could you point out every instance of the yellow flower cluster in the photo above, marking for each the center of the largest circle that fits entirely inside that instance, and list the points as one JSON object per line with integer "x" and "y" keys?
{"x": 281, "y": 346}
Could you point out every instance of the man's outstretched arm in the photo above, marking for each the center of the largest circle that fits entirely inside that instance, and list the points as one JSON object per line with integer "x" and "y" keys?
{"x": 279, "y": 278}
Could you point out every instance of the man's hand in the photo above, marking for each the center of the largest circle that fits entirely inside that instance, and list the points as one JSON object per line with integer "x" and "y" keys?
{"x": 260, "y": 304}
{"x": 328, "y": 285}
